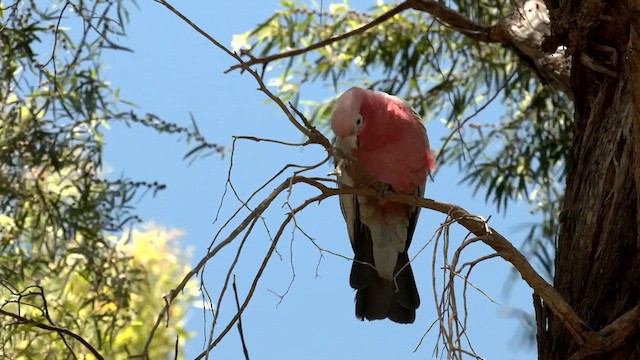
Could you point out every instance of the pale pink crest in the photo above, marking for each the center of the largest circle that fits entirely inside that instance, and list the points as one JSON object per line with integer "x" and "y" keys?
{"x": 345, "y": 112}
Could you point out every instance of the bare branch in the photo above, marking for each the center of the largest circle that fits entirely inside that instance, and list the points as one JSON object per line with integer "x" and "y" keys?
{"x": 611, "y": 336}
{"x": 267, "y": 257}
{"x": 244, "y": 344}
{"x": 62, "y": 331}
{"x": 292, "y": 53}
{"x": 174, "y": 292}
{"x": 456, "y": 21}
{"x": 591, "y": 342}
{"x": 315, "y": 137}
{"x": 478, "y": 226}
{"x": 226, "y": 280}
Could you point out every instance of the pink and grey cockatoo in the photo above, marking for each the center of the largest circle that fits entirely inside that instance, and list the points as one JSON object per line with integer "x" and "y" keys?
{"x": 385, "y": 145}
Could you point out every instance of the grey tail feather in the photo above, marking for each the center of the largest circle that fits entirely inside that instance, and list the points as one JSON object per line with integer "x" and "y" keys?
{"x": 377, "y": 298}
{"x": 381, "y": 298}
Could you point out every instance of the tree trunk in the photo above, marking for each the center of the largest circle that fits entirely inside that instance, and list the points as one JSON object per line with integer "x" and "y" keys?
{"x": 598, "y": 255}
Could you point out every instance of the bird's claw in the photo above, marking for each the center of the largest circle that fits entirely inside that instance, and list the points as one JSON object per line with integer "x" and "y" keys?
{"x": 336, "y": 172}
{"x": 383, "y": 189}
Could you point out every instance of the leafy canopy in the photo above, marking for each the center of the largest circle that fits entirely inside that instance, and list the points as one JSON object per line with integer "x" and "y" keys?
{"x": 64, "y": 261}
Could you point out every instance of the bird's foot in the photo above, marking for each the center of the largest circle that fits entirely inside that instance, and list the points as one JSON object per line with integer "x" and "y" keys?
{"x": 383, "y": 189}
{"x": 337, "y": 172}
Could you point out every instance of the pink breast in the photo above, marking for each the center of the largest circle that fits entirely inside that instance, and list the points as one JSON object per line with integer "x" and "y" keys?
{"x": 393, "y": 145}
{"x": 400, "y": 164}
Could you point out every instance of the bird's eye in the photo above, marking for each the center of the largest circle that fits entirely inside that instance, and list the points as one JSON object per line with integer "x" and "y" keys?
{"x": 359, "y": 120}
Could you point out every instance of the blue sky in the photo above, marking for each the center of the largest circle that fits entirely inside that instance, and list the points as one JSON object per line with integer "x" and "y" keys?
{"x": 175, "y": 71}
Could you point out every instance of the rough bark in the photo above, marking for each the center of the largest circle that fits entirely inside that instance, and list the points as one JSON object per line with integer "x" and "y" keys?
{"x": 524, "y": 30}
{"x": 598, "y": 255}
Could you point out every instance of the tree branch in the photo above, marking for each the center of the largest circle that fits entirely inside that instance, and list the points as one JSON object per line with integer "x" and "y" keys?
{"x": 455, "y": 21}
{"x": 62, "y": 331}
{"x": 611, "y": 336}
{"x": 523, "y": 30}
{"x": 315, "y": 137}
{"x": 479, "y": 227}
{"x": 263, "y": 265}
{"x": 287, "y": 54}
{"x": 244, "y": 344}
{"x": 174, "y": 292}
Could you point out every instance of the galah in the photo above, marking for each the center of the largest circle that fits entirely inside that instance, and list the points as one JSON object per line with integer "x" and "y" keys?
{"x": 383, "y": 144}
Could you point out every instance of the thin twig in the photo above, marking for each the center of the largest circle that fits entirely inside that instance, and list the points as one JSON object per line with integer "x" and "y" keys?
{"x": 315, "y": 137}
{"x": 226, "y": 280}
{"x": 176, "y": 348}
{"x": 454, "y": 20}
{"x": 244, "y": 344}
{"x": 265, "y": 261}
{"x": 287, "y": 54}
{"x": 239, "y": 229}
{"x": 462, "y": 123}
{"x": 25, "y": 321}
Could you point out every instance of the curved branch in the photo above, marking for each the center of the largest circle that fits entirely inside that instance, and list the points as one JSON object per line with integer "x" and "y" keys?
{"x": 315, "y": 137}
{"x": 287, "y": 54}
{"x": 456, "y": 21}
{"x": 591, "y": 342}
{"x": 169, "y": 298}
{"x": 523, "y": 30}
{"x": 62, "y": 331}
{"x": 580, "y": 331}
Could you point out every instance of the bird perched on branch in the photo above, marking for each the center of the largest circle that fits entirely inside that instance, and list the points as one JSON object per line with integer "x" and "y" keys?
{"x": 382, "y": 144}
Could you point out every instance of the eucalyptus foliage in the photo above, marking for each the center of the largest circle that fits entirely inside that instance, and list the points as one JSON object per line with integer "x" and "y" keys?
{"x": 60, "y": 216}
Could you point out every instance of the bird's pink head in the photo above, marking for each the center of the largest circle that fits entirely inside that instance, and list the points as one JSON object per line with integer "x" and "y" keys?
{"x": 346, "y": 112}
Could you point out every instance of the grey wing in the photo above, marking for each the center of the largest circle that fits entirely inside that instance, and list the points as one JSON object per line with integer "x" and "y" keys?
{"x": 347, "y": 202}
{"x": 413, "y": 218}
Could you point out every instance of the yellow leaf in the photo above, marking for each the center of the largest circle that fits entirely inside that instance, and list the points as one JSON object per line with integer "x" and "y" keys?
{"x": 108, "y": 307}
{"x": 240, "y": 42}
{"x": 6, "y": 222}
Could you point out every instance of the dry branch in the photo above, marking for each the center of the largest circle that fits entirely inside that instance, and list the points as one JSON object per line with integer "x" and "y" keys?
{"x": 314, "y": 136}
{"x": 287, "y": 54}
{"x": 590, "y": 341}
{"x": 237, "y": 231}
{"x": 523, "y": 30}
{"x": 245, "y": 351}
{"x": 267, "y": 257}
{"x": 21, "y": 320}
{"x": 611, "y": 336}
